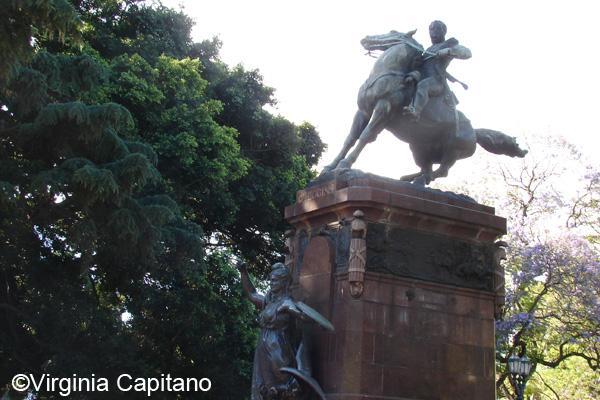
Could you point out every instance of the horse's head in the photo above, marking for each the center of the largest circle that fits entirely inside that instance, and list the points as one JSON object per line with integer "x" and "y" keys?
{"x": 387, "y": 40}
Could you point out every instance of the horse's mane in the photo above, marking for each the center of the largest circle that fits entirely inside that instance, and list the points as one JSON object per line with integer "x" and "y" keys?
{"x": 388, "y": 40}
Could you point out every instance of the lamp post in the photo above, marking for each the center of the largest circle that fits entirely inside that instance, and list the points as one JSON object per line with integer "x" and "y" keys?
{"x": 519, "y": 369}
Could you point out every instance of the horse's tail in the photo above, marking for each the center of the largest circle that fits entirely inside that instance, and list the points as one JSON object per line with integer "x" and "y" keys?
{"x": 499, "y": 143}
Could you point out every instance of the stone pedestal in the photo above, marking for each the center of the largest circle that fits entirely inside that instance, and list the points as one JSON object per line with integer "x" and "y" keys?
{"x": 408, "y": 278}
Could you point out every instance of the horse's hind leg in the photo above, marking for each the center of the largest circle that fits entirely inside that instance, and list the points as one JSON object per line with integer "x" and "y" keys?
{"x": 457, "y": 148}
{"x": 422, "y": 159}
{"x": 441, "y": 172}
{"x": 361, "y": 120}
{"x": 379, "y": 119}
{"x": 412, "y": 177}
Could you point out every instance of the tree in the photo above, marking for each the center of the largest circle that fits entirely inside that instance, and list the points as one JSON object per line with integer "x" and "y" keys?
{"x": 231, "y": 165}
{"x": 23, "y": 20}
{"x": 553, "y": 265}
{"x": 81, "y": 244}
{"x": 571, "y": 380}
{"x": 277, "y": 152}
{"x": 126, "y": 187}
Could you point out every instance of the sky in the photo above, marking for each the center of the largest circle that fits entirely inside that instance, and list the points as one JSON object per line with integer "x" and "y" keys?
{"x": 533, "y": 70}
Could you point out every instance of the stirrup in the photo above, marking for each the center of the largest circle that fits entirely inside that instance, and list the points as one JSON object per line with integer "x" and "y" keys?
{"x": 412, "y": 111}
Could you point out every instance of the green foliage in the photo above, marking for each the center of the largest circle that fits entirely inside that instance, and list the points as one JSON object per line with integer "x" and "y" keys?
{"x": 26, "y": 20}
{"x": 278, "y": 153}
{"x": 133, "y": 169}
{"x": 571, "y": 380}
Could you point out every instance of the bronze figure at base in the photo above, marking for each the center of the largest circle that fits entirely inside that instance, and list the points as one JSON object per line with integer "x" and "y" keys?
{"x": 282, "y": 367}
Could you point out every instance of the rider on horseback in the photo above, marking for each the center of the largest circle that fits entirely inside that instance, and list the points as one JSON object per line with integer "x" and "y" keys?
{"x": 435, "y": 61}
{"x": 384, "y": 95}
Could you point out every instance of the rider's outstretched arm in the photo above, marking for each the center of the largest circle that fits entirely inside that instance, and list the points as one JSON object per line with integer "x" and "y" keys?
{"x": 460, "y": 52}
{"x": 457, "y": 51}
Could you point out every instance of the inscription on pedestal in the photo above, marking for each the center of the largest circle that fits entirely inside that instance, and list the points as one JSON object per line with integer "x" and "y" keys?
{"x": 314, "y": 193}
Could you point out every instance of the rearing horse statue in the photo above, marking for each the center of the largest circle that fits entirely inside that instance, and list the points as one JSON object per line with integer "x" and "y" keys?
{"x": 442, "y": 135}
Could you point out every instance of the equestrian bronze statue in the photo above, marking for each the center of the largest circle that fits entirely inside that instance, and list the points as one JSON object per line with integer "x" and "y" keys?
{"x": 407, "y": 94}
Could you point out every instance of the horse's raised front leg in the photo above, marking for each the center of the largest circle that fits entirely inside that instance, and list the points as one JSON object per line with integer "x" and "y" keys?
{"x": 380, "y": 117}
{"x": 361, "y": 120}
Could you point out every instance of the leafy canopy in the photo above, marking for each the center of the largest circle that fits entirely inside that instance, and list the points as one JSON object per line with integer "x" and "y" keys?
{"x": 134, "y": 165}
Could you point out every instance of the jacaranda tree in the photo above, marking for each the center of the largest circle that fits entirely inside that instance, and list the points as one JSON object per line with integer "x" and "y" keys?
{"x": 553, "y": 267}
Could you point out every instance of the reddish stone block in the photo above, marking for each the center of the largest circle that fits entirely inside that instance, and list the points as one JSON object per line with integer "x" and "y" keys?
{"x": 467, "y": 331}
{"x": 336, "y": 346}
{"x": 462, "y": 232}
{"x": 354, "y": 312}
{"x": 458, "y": 387}
{"x": 410, "y": 383}
{"x": 319, "y": 257}
{"x": 321, "y": 342}
{"x": 399, "y": 321}
{"x": 341, "y": 196}
{"x": 402, "y": 338}
{"x": 489, "y": 363}
{"x": 404, "y": 295}
{"x": 371, "y": 289}
{"x": 404, "y": 220}
{"x": 432, "y": 325}
{"x": 487, "y": 332}
{"x": 367, "y": 348}
{"x": 464, "y": 305}
{"x": 339, "y": 315}
{"x": 485, "y": 389}
{"x": 371, "y": 379}
{"x": 488, "y": 236}
{"x": 351, "y": 377}
{"x": 333, "y": 379}
{"x": 388, "y": 349}
{"x": 433, "y": 300}
{"x": 461, "y": 359}
{"x": 316, "y": 287}
{"x": 386, "y": 290}
{"x": 433, "y": 226}
{"x": 373, "y": 317}
{"x": 486, "y": 308}
{"x": 342, "y": 288}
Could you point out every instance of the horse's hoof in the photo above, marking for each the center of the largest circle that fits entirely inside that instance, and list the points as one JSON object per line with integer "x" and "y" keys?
{"x": 327, "y": 169}
{"x": 419, "y": 181}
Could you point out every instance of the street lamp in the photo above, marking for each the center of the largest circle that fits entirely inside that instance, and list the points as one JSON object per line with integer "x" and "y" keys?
{"x": 519, "y": 369}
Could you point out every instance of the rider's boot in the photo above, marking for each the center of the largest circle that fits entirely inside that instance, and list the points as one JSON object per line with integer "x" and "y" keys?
{"x": 412, "y": 111}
